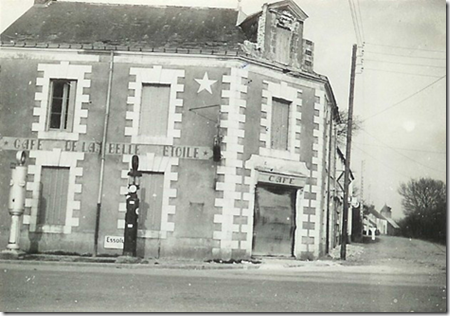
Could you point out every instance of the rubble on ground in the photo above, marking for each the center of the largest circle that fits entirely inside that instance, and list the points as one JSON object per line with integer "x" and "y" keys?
{"x": 352, "y": 251}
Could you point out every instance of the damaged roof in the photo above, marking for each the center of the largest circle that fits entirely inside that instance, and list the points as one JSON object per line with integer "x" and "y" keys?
{"x": 136, "y": 26}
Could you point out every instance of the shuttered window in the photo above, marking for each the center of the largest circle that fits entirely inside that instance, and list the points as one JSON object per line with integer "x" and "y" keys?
{"x": 283, "y": 47}
{"x": 151, "y": 195}
{"x": 154, "y": 114}
{"x": 53, "y": 196}
{"x": 62, "y": 104}
{"x": 280, "y": 124}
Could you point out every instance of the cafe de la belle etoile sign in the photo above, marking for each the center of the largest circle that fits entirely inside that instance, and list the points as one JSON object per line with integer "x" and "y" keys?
{"x": 111, "y": 148}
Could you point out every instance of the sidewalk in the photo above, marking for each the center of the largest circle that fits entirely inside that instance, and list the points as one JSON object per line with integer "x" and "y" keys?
{"x": 269, "y": 263}
{"x": 331, "y": 262}
{"x": 389, "y": 255}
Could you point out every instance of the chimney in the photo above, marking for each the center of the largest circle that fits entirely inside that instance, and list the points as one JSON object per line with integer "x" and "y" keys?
{"x": 241, "y": 15}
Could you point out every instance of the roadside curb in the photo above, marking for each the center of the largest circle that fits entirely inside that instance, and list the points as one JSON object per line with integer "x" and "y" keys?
{"x": 109, "y": 262}
{"x": 300, "y": 267}
{"x": 113, "y": 264}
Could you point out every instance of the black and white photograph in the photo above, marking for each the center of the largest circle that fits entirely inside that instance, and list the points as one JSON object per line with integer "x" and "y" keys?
{"x": 223, "y": 156}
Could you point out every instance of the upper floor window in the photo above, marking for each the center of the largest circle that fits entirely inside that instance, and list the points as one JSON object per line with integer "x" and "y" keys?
{"x": 280, "y": 124}
{"x": 155, "y": 104}
{"x": 283, "y": 45}
{"x": 62, "y": 104}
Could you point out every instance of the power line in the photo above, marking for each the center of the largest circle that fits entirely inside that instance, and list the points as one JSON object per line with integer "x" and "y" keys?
{"x": 360, "y": 19}
{"x": 403, "y": 100}
{"x": 408, "y": 56}
{"x": 409, "y": 48}
{"x": 358, "y": 27}
{"x": 363, "y": 151}
{"x": 357, "y": 18}
{"x": 400, "y": 72}
{"x": 393, "y": 149}
{"x": 408, "y": 64}
{"x": 409, "y": 149}
{"x": 355, "y": 23}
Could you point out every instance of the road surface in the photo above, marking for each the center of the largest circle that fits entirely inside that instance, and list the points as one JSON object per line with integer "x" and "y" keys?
{"x": 35, "y": 287}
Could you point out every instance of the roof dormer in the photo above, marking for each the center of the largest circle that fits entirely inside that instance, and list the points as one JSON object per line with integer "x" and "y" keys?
{"x": 276, "y": 34}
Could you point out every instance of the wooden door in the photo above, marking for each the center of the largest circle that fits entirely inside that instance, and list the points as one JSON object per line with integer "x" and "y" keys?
{"x": 274, "y": 221}
{"x": 53, "y": 196}
{"x": 151, "y": 199}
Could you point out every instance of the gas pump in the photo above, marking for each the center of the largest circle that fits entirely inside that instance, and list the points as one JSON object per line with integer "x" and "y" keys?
{"x": 16, "y": 203}
{"x": 131, "y": 217}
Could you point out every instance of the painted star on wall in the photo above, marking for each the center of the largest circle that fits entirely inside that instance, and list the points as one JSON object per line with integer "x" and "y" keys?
{"x": 205, "y": 83}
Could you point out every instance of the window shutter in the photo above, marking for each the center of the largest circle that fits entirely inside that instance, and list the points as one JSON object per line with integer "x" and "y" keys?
{"x": 71, "y": 108}
{"x": 154, "y": 114}
{"x": 283, "y": 46}
{"x": 280, "y": 124}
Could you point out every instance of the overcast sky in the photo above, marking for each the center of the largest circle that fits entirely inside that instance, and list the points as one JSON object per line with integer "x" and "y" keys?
{"x": 400, "y": 95}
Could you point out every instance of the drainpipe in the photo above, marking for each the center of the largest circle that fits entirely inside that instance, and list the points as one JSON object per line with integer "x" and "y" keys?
{"x": 330, "y": 136}
{"x": 103, "y": 155}
{"x": 335, "y": 184}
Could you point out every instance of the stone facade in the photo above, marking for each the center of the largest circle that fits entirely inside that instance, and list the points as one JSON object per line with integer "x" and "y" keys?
{"x": 193, "y": 205}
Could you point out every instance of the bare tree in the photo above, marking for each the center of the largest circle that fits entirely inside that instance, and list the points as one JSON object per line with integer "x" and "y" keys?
{"x": 341, "y": 130}
{"x": 425, "y": 208}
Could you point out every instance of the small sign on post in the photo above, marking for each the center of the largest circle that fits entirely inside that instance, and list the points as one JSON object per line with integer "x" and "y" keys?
{"x": 113, "y": 242}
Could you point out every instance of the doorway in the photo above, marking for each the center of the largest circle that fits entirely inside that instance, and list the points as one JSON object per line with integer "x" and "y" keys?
{"x": 150, "y": 214}
{"x": 274, "y": 221}
{"x": 151, "y": 201}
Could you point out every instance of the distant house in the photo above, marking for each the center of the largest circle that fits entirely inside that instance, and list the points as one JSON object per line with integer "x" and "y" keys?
{"x": 382, "y": 220}
{"x": 392, "y": 228}
{"x": 369, "y": 227}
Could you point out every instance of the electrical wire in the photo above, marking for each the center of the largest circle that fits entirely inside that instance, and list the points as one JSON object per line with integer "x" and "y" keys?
{"x": 355, "y": 23}
{"x": 360, "y": 19}
{"x": 400, "y": 72}
{"x": 409, "y": 48}
{"x": 408, "y": 56}
{"x": 403, "y": 100}
{"x": 366, "y": 153}
{"x": 408, "y": 149}
{"x": 408, "y": 64}
{"x": 401, "y": 154}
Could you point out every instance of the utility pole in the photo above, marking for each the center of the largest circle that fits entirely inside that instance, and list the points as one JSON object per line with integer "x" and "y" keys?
{"x": 347, "y": 156}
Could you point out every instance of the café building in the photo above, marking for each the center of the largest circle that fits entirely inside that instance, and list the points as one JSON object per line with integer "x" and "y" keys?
{"x": 231, "y": 124}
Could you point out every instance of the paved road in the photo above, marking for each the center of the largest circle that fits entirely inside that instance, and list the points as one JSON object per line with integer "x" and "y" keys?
{"x": 412, "y": 254}
{"x": 81, "y": 288}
